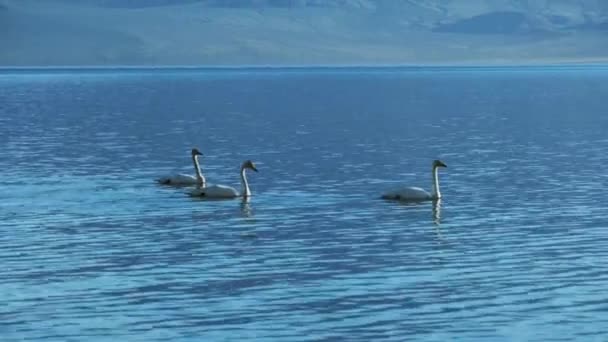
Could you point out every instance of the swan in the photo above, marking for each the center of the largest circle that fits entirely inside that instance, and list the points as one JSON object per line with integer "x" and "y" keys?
{"x": 181, "y": 179}
{"x": 222, "y": 191}
{"x": 418, "y": 194}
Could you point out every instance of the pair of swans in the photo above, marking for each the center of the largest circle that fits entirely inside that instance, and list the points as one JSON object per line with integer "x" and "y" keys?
{"x": 212, "y": 191}
{"x": 415, "y": 194}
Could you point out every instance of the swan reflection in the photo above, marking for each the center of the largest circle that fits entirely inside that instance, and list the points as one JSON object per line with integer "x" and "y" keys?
{"x": 437, "y": 211}
{"x": 246, "y": 210}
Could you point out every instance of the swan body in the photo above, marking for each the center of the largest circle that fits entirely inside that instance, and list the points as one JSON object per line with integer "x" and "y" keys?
{"x": 409, "y": 193}
{"x": 415, "y": 193}
{"x": 227, "y": 192}
{"x": 178, "y": 179}
{"x": 217, "y": 191}
{"x": 183, "y": 179}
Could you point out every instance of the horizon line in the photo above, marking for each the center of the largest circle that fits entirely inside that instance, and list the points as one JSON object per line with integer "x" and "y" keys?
{"x": 233, "y": 67}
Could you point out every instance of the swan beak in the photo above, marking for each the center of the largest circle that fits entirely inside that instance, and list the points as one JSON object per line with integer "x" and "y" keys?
{"x": 442, "y": 164}
{"x": 254, "y": 168}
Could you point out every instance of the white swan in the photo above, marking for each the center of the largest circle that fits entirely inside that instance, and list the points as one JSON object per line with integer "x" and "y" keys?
{"x": 222, "y": 191}
{"x": 418, "y": 194}
{"x": 182, "y": 179}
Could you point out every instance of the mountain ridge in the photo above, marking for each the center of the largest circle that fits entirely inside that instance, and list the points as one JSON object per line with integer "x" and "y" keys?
{"x": 213, "y": 32}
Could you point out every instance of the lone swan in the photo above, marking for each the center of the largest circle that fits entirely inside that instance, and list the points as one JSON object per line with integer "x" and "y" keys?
{"x": 418, "y": 194}
{"x": 182, "y": 179}
{"x": 227, "y": 192}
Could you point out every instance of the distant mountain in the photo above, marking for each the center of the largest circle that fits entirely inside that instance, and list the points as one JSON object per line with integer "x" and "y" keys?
{"x": 471, "y": 16}
{"x": 169, "y": 32}
{"x": 130, "y": 3}
{"x": 490, "y": 23}
{"x": 437, "y": 5}
{"x": 594, "y": 26}
{"x": 228, "y": 3}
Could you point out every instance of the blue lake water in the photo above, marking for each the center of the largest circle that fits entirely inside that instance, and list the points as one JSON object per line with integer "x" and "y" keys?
{"x": 92, "y": 249}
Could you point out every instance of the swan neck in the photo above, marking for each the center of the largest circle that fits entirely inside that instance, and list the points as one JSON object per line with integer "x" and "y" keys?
{"x": 197, "y": 169}
{"x": 246, "y": 191}
{"x": 436, "y": 193}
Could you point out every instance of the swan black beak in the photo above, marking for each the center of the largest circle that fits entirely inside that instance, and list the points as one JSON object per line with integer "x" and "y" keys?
{"x": 254, "y": 169}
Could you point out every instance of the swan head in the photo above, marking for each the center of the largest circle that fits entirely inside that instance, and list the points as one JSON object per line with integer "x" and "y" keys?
{"x": 438, "y": 163}
{"x": 248, "y": 164}
{"x": 196, "y": 152}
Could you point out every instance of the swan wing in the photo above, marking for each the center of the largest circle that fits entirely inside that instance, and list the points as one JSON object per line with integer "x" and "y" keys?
{"x": 216, "y": 191}
{"x": 178, "y": 179}
{"x": 407, "y": 194}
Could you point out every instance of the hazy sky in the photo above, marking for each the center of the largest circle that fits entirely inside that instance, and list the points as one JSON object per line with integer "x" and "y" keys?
{"x": 281, "y": 32}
